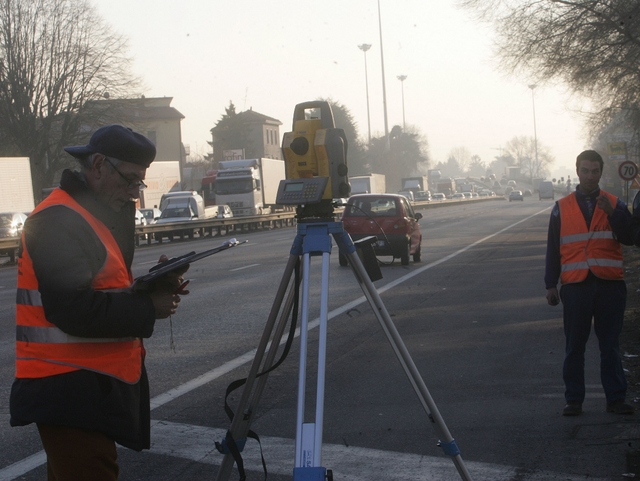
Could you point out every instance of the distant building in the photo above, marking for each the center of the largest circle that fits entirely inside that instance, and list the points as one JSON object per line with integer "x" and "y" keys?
{"x": 153, "y": 117}
{"x": 256, "y": 134}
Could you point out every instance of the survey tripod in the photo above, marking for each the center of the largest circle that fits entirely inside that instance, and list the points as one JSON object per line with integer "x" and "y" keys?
{"x": 314, "y": 239}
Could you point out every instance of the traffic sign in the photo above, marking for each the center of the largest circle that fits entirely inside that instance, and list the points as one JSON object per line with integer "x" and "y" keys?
{"x": 628, "y": 170}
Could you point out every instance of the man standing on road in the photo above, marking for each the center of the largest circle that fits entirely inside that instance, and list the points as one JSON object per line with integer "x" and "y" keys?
{"x": 584, "y": 251}
{"x": 80, "y": 372}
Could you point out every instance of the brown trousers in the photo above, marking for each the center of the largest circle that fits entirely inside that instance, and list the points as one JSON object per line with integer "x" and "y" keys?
{"x": 78, "y": 454}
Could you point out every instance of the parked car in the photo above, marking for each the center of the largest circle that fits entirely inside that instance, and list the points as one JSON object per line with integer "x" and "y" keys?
{"x": 152, "y": 215}
{"x": 438, "y": 196}
{"x": 390, "y": 218}
{"x": 516, "y": 195}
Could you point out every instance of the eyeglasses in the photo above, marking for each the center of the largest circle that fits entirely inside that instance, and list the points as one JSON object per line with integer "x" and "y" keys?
{"x": 131, "y": 184}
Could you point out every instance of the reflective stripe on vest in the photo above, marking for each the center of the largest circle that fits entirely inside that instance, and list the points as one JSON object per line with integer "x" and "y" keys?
{"x": 583, "y": 250}
{"x": 42, "y": 349}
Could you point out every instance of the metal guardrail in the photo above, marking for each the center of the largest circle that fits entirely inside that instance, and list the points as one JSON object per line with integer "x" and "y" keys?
{"x": 209, "y": 226}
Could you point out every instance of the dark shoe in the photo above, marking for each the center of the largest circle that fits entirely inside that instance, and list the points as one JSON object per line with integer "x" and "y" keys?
{"x": 572, "y": 408}
{"x": 620, "y": 407}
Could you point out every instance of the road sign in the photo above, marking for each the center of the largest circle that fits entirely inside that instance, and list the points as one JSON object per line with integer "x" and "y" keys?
{"x": 628, "y": 170}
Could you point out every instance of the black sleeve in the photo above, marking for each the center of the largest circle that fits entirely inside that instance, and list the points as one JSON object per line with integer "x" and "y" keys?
{"x": 66, "y": 255}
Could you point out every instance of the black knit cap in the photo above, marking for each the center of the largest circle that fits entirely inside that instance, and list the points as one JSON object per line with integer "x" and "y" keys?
{"x": 119, "y": 143}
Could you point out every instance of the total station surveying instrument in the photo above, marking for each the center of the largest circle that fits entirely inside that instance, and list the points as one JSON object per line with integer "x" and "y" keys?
{"x": 316, "y": 171}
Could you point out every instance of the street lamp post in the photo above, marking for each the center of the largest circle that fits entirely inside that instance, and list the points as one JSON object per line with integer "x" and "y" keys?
{"x": 402, "y": 78}
{"x": 364, "y": 47}
{"x": 535, "y": 133}
{"x": 384, "y": 89}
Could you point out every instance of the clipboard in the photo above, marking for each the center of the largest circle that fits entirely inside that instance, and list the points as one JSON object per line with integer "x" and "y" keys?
{"x": 175, "y": 263}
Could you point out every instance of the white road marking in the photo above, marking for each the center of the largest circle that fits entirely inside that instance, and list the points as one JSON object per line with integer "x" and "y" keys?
{"x": 245, "y": 267}
{"x": 24, "y": 466}
{"x": 348, "y": 463}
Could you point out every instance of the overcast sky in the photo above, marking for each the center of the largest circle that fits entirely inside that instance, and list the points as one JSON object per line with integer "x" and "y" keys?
{"x": 270, "y": 56}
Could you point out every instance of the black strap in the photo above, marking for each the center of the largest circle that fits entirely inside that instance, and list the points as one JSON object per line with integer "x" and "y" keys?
{"x": 229, "y": 445}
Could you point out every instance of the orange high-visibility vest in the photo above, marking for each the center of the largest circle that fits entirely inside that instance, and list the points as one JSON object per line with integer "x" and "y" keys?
{"x": 583, "y": 250}
{"x": 44, "y": 350}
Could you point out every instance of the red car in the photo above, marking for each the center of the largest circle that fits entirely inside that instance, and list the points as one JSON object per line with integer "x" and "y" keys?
{"x": 390, "y": 218}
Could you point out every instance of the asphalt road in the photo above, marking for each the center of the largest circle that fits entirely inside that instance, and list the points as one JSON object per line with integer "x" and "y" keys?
{"x": 472, "y": 315}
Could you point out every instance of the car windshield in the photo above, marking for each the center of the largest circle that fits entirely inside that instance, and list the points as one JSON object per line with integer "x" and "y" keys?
{"x": 375, "y": 207}
{"x": 176, "y": 212}
{"x": 235, "y": 186}
{"x": 148, "y": 214}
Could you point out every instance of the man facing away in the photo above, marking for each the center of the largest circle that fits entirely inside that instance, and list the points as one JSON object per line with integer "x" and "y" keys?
{"x": 584, "y": 252}
{"x": 80, "y": 372}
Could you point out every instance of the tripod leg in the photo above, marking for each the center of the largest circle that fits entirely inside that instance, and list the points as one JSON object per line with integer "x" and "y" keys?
{"x": 248, "y": 402}
{"x": 407, "y": 363}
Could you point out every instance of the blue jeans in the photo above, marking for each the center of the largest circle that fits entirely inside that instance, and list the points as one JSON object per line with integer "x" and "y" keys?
{"x": 604, "y": 302}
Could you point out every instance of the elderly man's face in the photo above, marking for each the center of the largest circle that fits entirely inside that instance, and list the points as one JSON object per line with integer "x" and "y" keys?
{"x": 117, "y": 185}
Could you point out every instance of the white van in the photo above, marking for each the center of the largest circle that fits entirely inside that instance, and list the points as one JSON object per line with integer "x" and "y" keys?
{"x": 545, "y": 190}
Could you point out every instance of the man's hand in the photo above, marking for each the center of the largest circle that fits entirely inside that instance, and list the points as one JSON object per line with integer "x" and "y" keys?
{"x": 605, "y": 204}
{"x": 166, "y": 291}
{"x": 553, "y": 299}
{"x": 165, "y": 303}
{"x": 171, "y": 281}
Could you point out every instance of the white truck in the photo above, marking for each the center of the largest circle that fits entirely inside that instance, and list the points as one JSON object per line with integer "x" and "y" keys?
{"x": 249, "y": 186}
{"x": 368, "y": 184}
{"x": 16, "y": 193}
{"x": 161, "y": 177}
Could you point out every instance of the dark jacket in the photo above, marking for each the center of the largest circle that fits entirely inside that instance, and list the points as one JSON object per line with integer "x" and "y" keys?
{"x": 66, "y": 255}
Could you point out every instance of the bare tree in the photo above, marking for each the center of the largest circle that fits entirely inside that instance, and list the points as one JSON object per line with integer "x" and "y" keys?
{"x": 523, "y": 150}
{"x": 591, "y": 45}
{"x": 462, "y": 156}
{"x": 55, "y": 56}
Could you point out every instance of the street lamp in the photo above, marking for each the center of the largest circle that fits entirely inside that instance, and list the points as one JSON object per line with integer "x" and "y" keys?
{"x": 535, "y": 133}
{"x": 402, "y": 78}
{"x": 364, "y": 47}
{"x": 387, "y": 145}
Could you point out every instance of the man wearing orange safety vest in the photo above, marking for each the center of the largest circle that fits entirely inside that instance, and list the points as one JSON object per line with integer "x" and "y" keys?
{"x": 584, "y": 252}
{"x": 80, "y": 372}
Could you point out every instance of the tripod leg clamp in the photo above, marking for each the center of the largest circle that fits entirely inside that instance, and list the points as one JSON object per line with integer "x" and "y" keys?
{"x": 450, "y": 448}
{"x": 229, "y": 445}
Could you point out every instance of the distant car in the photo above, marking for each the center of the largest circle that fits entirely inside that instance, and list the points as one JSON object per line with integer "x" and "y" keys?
{"x": 224, "y": 211}
{"x": 512, "y": 183}
{"x": 11, "y": 225}
{"x": 527, "y": 193}
{"x": 422, "y": 196}
{"x": 152, "y": 215}
{"x": 438, "y": 196}
{"x": 390, "y": 218}
{"x": 458, "y": 196}
{"x": 175, "y": 214}
{"x": 516, "y": 195}
{"x": 408, "y": 194}
{"x": 467, "y": 195}
{"x": 140, "y": 218}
